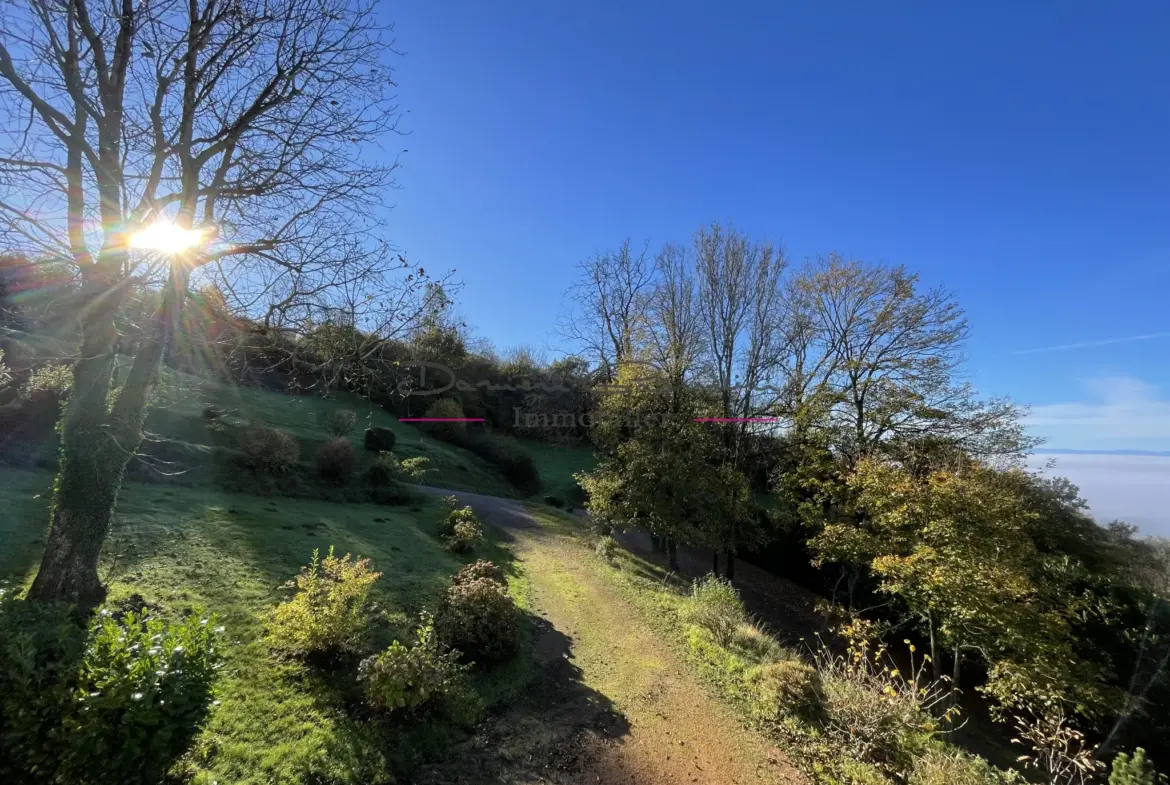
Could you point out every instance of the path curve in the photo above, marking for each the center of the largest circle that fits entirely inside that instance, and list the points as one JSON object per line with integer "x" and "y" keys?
{"x": 670, "y": 729}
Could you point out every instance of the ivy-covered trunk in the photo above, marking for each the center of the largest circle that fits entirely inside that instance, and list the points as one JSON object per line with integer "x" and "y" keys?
{"x": 97, "y": 442}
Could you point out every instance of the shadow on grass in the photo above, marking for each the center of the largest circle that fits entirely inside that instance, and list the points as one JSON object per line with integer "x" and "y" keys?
{"x": 550, "y": 730}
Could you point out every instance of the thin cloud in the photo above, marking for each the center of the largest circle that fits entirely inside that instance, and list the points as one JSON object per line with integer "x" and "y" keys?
{"x": 1120, "y": 412}
{"x": 1090, "y": 344}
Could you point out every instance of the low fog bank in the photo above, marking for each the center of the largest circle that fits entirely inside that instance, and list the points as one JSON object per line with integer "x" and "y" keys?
{"x": 1135, "y": 488}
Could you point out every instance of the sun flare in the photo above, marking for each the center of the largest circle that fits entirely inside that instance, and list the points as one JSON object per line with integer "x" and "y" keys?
{"x": 166, "y": 237}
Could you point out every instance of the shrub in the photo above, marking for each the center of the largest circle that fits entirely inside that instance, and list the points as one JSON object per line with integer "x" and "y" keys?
{"x": 460, "y": 531}
{"x": 554, "y": 501}
{"x": 340, "y": 422}
{"x": 853, "y": 772}
{"x": 327, "y": 616}
{"x": 945, "y": 765}
{"x": 336, "y": 460}
{"x": 465, "y": 537}
{"x": 480, "y": 570}
{"x": 607, "y": 548}
{"x": 758, "y": 645}
{"x": 387, "y": 469}
{"x": 269, "y": 450}
{"x": 785, "y": 688}
{"x": 52, "y": 378}
{"x": 575, "y": 495}
{"x": 479, "y": 619}
{"x": 145, "y": 688}
{"x": 447, "y": 431}
{"x": 115, "y": 704}
{"x": 409, "y": 678}
{"x": 715, "y": 605}
{"x": 1134, "y": 770}
{"x": 379, "y": 439}
{"x": 874, "y": 712}
{"x": 516, "y": 465}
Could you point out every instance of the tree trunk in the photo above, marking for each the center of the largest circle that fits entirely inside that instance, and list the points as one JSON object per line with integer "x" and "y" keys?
{"x": 935, "y": 665}
{"x": 96, "y": 444}
{"x": 88, "y": 480}
{"x": 957, "y": 671}
{"x": 729, "y": 557}
{"x": 715, "y": 563}
{"x": 672, "y": 553}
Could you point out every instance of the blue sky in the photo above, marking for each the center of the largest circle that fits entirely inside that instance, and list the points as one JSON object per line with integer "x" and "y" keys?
{"x": 1017, "y": 153}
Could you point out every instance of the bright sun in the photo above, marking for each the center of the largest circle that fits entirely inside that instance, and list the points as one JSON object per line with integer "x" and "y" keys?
{"x": 166, "y": 237}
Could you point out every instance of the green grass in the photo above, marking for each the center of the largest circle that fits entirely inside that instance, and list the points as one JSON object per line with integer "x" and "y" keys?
{"x": 276, "y": 722}
{"x": 177, "y": 415}
{"x": 557, "y": 464}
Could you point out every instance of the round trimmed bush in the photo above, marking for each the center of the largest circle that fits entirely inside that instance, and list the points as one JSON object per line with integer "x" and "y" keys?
{"x": 336, "y": 460}
{"x": 379, "y": 439}
{"x": 479, "y": 619}
{"x": 269, "y": 450}
{"x": 480, "y": 570}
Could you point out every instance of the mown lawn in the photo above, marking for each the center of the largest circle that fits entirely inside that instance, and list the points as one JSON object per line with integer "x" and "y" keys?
{"x": 191, "y": 548}
{"x": 178, "y": 415}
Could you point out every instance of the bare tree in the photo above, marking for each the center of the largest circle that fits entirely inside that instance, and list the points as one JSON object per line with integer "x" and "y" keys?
{"x": 248, "y": 120}
{"x": 887, "y": 355}
{"x": 741, "y": 304}
{"x": 674, "y": 329}
{"x": 609, "y": 304}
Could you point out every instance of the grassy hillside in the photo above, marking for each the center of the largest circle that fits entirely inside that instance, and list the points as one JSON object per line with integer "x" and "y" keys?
{"x": 277, "y": 722}
{"x": 178, "y": 416}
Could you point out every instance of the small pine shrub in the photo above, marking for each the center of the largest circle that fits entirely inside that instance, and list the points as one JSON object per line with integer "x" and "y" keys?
{"x": 1134, "y": 770}
{"x": 115, "y": 703}
{"x": 336, "y": 460}
{"x": 269, "y": 450}
{"x": 328, "y": 614}
{"x": 421, "y": 676}
{"x": 607, "y": 548}
{"x": 340, "y": 422}
{"x": 785, "y": 688}
{"x": 554, "y": 501}
{"x": 479, "y": 619}
{"x": 715, "y": 605}
{"x": 480, "y": 570}
{"x": 460, "y": 531}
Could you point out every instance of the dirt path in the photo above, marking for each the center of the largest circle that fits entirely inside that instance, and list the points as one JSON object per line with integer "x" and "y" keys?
{"x": 619, "y": 706}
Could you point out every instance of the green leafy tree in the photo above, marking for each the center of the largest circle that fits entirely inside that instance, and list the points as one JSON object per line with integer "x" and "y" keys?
{"x": 955, "y": 547}
{"x": 663, "y": 471}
